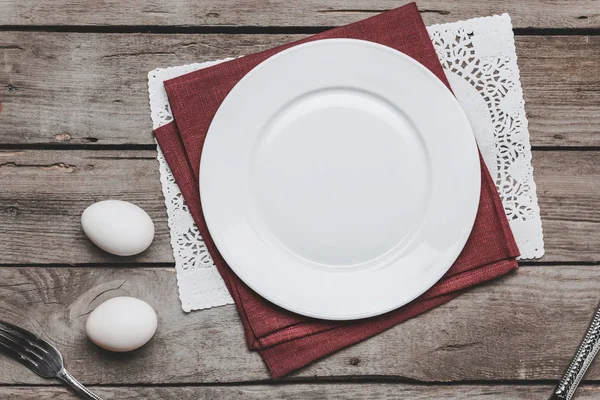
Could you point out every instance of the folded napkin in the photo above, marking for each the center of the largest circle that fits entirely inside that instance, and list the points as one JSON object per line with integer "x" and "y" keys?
{"x": 285, "y": 340}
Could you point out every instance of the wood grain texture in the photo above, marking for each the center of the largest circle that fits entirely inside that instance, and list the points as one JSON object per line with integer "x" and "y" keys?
{"x": 562, "y": 96}
{"x": 44, "y": 193}
{"x": 363, "y": 391}
{"x": 73, "y": 88}
{"x": 93, "y": 88}
{"x": 224, "y": 13}
{"x": 525, "y": 326}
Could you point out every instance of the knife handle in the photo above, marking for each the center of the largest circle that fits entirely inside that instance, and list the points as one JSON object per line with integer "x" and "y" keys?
{"x": 581, "y": 361}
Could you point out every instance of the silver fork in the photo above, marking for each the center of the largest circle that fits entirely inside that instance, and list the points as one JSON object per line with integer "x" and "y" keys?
{"x": 581, "y": 361}
{"x": 39, "y": 356}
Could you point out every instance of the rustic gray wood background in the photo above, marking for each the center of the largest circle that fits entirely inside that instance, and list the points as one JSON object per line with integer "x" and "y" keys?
{"x": 75, "y": 128}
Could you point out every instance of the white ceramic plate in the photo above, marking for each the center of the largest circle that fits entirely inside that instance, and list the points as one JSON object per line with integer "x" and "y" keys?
{"x": 340, "y": 179}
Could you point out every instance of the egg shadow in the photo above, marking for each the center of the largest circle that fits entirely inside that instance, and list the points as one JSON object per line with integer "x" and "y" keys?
{"x": 114, "y": 357}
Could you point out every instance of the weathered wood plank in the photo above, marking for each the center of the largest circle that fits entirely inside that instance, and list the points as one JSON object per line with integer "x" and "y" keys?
{"x": 44, "y": 192}
{"x": 561, "y": 105}
{"x": 569, "y": 203}
{"x": 373, "y": 391}
{"x": 525, "y": 326}
{"x": 557, "y": 14}
{"x": 92, "y": 88}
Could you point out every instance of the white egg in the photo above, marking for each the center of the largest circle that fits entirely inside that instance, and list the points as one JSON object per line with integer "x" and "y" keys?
{"x": 121, "y": 324}
{"x": 118, "y": 227}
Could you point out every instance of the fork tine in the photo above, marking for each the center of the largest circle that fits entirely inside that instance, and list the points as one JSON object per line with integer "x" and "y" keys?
{"x": 33, "y": 352}
{"x": 20, "y": 331}
{"x": 29, "y": 336}
{"x": 23, "y": 343}
{"x": 11, "y": 350}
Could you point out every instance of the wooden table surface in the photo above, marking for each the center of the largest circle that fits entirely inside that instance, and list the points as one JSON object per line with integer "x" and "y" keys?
{"x": 75, "y": 128}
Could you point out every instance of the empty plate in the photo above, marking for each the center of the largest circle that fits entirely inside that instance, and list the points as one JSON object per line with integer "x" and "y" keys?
{"x": 340, "y": 179}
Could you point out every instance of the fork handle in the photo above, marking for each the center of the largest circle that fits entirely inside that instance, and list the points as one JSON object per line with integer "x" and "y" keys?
{"x": 581, "y": 361}
{"x": 84, "y": 392}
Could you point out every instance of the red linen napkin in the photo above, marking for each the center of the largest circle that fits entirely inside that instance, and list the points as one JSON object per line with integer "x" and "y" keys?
{"x": 285, "y": 340}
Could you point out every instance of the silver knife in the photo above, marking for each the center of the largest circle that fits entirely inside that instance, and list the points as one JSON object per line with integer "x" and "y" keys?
{"x": 581, "y": 361}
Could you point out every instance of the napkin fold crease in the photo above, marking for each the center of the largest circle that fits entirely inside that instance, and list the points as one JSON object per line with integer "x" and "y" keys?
{"x": 287, "y": 341}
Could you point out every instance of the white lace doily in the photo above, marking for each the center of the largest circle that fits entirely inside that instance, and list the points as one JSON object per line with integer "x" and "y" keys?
{"x": 480, "y": 61}
{"x": 200, "y": 285}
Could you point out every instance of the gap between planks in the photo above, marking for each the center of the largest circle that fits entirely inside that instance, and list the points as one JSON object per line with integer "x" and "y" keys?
{"x": 251, "y": 30}
{"x": 296, "y": 392}
{"x": 170, "y": 265}
{"x": 142, "y": 146}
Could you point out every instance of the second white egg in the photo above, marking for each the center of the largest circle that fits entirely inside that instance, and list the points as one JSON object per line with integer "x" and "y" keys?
{"x": 121, "y": 324}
